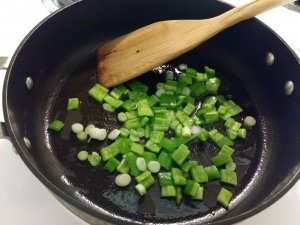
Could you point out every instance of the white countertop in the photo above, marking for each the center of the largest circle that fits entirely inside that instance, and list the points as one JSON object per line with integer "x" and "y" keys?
{"x": 24, "y": 200}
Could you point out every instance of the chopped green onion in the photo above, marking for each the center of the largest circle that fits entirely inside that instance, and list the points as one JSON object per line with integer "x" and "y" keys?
{"x": 112, "y": 164}
{"x": 122, "y": 116}
{"x": 113, "y": 134}
{"x": 249, "y": 121}
{"x": 82, "y": 136}
{"x": 168, "y": 191}
{"x": 153, "y": 166}
{"x": 224, "y": 197}
{"x": 98, "y": 92}
{"x": 77, "y": 127}
{"x": 141, "y": 164}
{"x": 123, "y": 180}
{"x": 73, "y": 104}
{"x": 83, "y": 155}
{"x": 98, "y": 134}
{"x": 94, "y": 159}
{"x": 140, "y": 189}
{"x": 56, "y": 125}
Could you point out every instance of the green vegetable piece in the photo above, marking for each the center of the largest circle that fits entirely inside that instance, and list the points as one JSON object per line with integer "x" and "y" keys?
{"x": 165, "y": 179}
{"x": 150, "y": 145}
{"x": 124, "y": 144}
{"x": 156, "y": 136}
{"x": 228, "y": 176}
{"x": 185, "y": 79}
{"x": 203, "y": 135}
{"x": 140, "y": 189}
{"x": 189, "y": 109}
{"x": 179, "y": 195}
{"x": 191, "y": 72}
{"x": 132, "y": 123}
{"x": 167, "y": 144}
{"x": 94, "y": 159}
{"x": 83, "y": 155}
{"x": 222, "y": 110}
{"x": 221, "y": 159}
{"x": 199, "y": 195}
{"x": 227, "y": 150}
{"x": 202, "y": 77}
{"x": 198, "y": 89}
{"x": 153, "y": 100}
{"x": 168, "y": 100}
{"x": 184, "y": 119}
{"x": 56, "y": 125}
{"x": 191, "y": 188}
{"x": 211, "y": 116}
{"x": 224, "y": 197}
{"x": 115, "y": 103}
{"x": 73, "y": 104}
{"x": 213, "y": 84}
{"x": 212, "y": 172}
{"x": 183, "y": 140}
{"x": 110, "y": 151}
{"x": 131, "y": 115}
{"x": 143, "y": 108}
{"x": 137, "y": 95}
{"x": 178, "y": 177}
{"x": 108, "y": 108}
{"x": 136, "y": 85}
{"x": 129, "y": 105}
{"x": 145, "y": 179}
{"x": 198, "y": 174}
{"x": 149, "y": 156}
{"x": 118, "y": 91}
{"x": 180, "y": 154}
{"x": 242, "y": 133}
{"x": 209, "y": 71}
{"x": 98, "y": 92}
{"x": 232, "y": 134}
{"x": 165, "y": 160}
{"x": 188, "y": 165}
{"x": 171, "y": 85}
{"x": 123, "y": 167}
{"x": 131, "y": 159}
{"x": 137, "y": 148}
{"x": 168, "y": 191}
{"x": 112, "y": 164}
{"x": 82, "y": 136}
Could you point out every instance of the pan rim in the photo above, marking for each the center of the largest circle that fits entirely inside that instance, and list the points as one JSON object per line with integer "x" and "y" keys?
{"x": 20, "y": 147}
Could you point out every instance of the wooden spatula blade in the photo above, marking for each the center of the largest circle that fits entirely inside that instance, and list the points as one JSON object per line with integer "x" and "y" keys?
{"x": 135, "y": 53}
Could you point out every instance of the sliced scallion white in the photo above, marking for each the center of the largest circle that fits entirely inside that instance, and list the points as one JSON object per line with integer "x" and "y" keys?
{"x": 114, "y": 134}
{"x": 97, "y": 133}
{"x": 122, "y": 116}
{"x": 77, "y": 127}
{"x": 123, "y": 180}
{"x": 249, "y": 121}
{"x": 195, "y": 129}
{"x": 141, "y": 164}
{"x": 154, "y": 166}
{"x": 186, "y": 131}
{"x": 88, "y": 128}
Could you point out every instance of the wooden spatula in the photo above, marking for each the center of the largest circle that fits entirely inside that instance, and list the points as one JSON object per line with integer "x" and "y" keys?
{"x": 140, "y": 51}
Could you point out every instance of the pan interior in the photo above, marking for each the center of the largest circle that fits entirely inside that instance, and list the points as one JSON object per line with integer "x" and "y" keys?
{"x": 95, "y": 186}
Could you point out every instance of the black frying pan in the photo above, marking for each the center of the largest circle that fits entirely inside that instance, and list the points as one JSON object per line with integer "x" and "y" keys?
{"x": 59, "y": 56}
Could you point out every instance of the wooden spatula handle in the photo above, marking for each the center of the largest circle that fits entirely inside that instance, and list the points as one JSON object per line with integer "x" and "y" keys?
{"x": 248, "y": 10}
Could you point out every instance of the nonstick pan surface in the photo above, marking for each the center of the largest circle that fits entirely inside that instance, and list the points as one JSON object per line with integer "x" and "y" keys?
{"x": 59, "y": 55}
